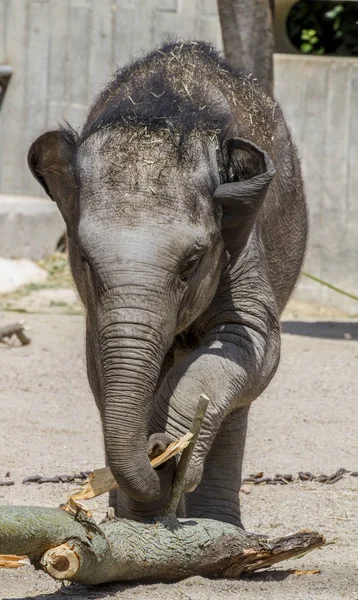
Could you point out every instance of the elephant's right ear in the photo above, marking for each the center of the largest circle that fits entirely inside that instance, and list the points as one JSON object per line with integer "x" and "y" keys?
{"x": 51, "y": 160}
{"x": 250, "y": 171}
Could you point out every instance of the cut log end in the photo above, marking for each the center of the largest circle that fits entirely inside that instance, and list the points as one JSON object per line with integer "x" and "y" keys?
{"x": 61, "y": 562}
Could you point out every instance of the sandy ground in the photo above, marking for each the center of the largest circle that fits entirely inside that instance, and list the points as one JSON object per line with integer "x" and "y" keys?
{"x": 306, "y": 420}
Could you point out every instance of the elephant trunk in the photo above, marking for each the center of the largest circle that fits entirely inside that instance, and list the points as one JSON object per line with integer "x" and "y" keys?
{"x": 132, "y": 353}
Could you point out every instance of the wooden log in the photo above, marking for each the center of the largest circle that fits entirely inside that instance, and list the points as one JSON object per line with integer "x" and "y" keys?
{"x": 72, "y": 546}
{"x": 18, "y": 329}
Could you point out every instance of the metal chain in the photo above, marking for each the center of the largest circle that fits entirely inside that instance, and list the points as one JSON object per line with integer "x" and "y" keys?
{"x": 302, "y": 476}
{"x": 255, "y": 479}
{"x": 76, "y": 478}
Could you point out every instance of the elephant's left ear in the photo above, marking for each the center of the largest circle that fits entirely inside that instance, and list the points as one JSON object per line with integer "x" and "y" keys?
{"x": 251, "y": 171}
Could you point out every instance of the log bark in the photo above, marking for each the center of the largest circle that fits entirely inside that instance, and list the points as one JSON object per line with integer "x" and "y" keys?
{"x": 73, "y": 547}
{"x": 248, "y": 39}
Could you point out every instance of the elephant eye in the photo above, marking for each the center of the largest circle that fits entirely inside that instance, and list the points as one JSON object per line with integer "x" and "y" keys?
{"x": 92, "y": 275}
{"x": 86, "y": 263}
{"x": 189, "y": 264}
{"x": 88, "y": 270}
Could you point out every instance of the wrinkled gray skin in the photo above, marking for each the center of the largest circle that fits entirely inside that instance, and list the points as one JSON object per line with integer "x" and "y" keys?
{"x": 185, "y": 247}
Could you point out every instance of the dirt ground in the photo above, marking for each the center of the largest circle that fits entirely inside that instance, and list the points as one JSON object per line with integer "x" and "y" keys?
{"x": 306, "y": 420}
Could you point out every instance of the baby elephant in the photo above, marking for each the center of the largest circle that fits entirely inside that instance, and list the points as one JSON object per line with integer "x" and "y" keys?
{"x": 186, "y": 223}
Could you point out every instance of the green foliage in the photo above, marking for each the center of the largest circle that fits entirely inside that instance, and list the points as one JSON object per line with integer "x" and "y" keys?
{"x": 310, "y": 41}
{"x": 316, "y": 27}
{"x": 59, "y": 274}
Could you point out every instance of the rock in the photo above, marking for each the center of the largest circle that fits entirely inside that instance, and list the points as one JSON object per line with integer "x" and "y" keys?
{"x": 30, "y": 227}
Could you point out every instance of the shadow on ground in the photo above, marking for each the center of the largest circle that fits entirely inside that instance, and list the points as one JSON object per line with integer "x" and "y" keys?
{"x": 270, "y": 575}
{"x": 81, "y": 592}
{"x": 334, "y": 330}
{"x": 75, "y": 591}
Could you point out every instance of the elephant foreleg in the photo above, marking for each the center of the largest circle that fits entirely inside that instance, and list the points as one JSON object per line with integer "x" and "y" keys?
{"x": 217, "y": 496}
{"x": 232, "y": 366}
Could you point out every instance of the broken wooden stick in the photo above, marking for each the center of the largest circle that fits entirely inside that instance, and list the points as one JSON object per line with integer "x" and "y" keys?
{"x": 102, "y": 480}
{"x": 74, "y": 548}
{"x": 18, "y": 329}
{"x": 179, "y": 478}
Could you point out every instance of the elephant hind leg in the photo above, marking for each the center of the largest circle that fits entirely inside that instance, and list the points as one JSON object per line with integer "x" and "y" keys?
{"x": 217, "y": 496}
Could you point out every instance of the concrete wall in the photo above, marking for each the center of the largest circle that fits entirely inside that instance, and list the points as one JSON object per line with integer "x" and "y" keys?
{"x": 63, "y": 51}
{"x": 319, "y": 96}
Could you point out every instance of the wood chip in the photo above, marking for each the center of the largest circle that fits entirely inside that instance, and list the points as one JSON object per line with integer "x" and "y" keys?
{"x": 74, "y": 508}
{"x": 101, "y": 481}
{"x": 246, "y": 488}
{"x": 11, "y": 561}
{"x": 299, "y": 572}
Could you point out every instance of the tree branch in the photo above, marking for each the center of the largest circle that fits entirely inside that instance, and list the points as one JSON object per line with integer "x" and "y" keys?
{"x": 73, "y": 547}
{"x": 179, "y": 478}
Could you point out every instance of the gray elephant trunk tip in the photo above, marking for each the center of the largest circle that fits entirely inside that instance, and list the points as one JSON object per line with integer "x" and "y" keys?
{"x": 134, "y": 474}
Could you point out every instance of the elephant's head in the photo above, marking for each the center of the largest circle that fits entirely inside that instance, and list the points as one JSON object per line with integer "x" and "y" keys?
{"x": 150, "y": 229}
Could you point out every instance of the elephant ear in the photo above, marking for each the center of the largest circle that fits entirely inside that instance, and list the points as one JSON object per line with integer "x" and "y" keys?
{"x": 251, "y": 171}
{"x": 51, "y": 160}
